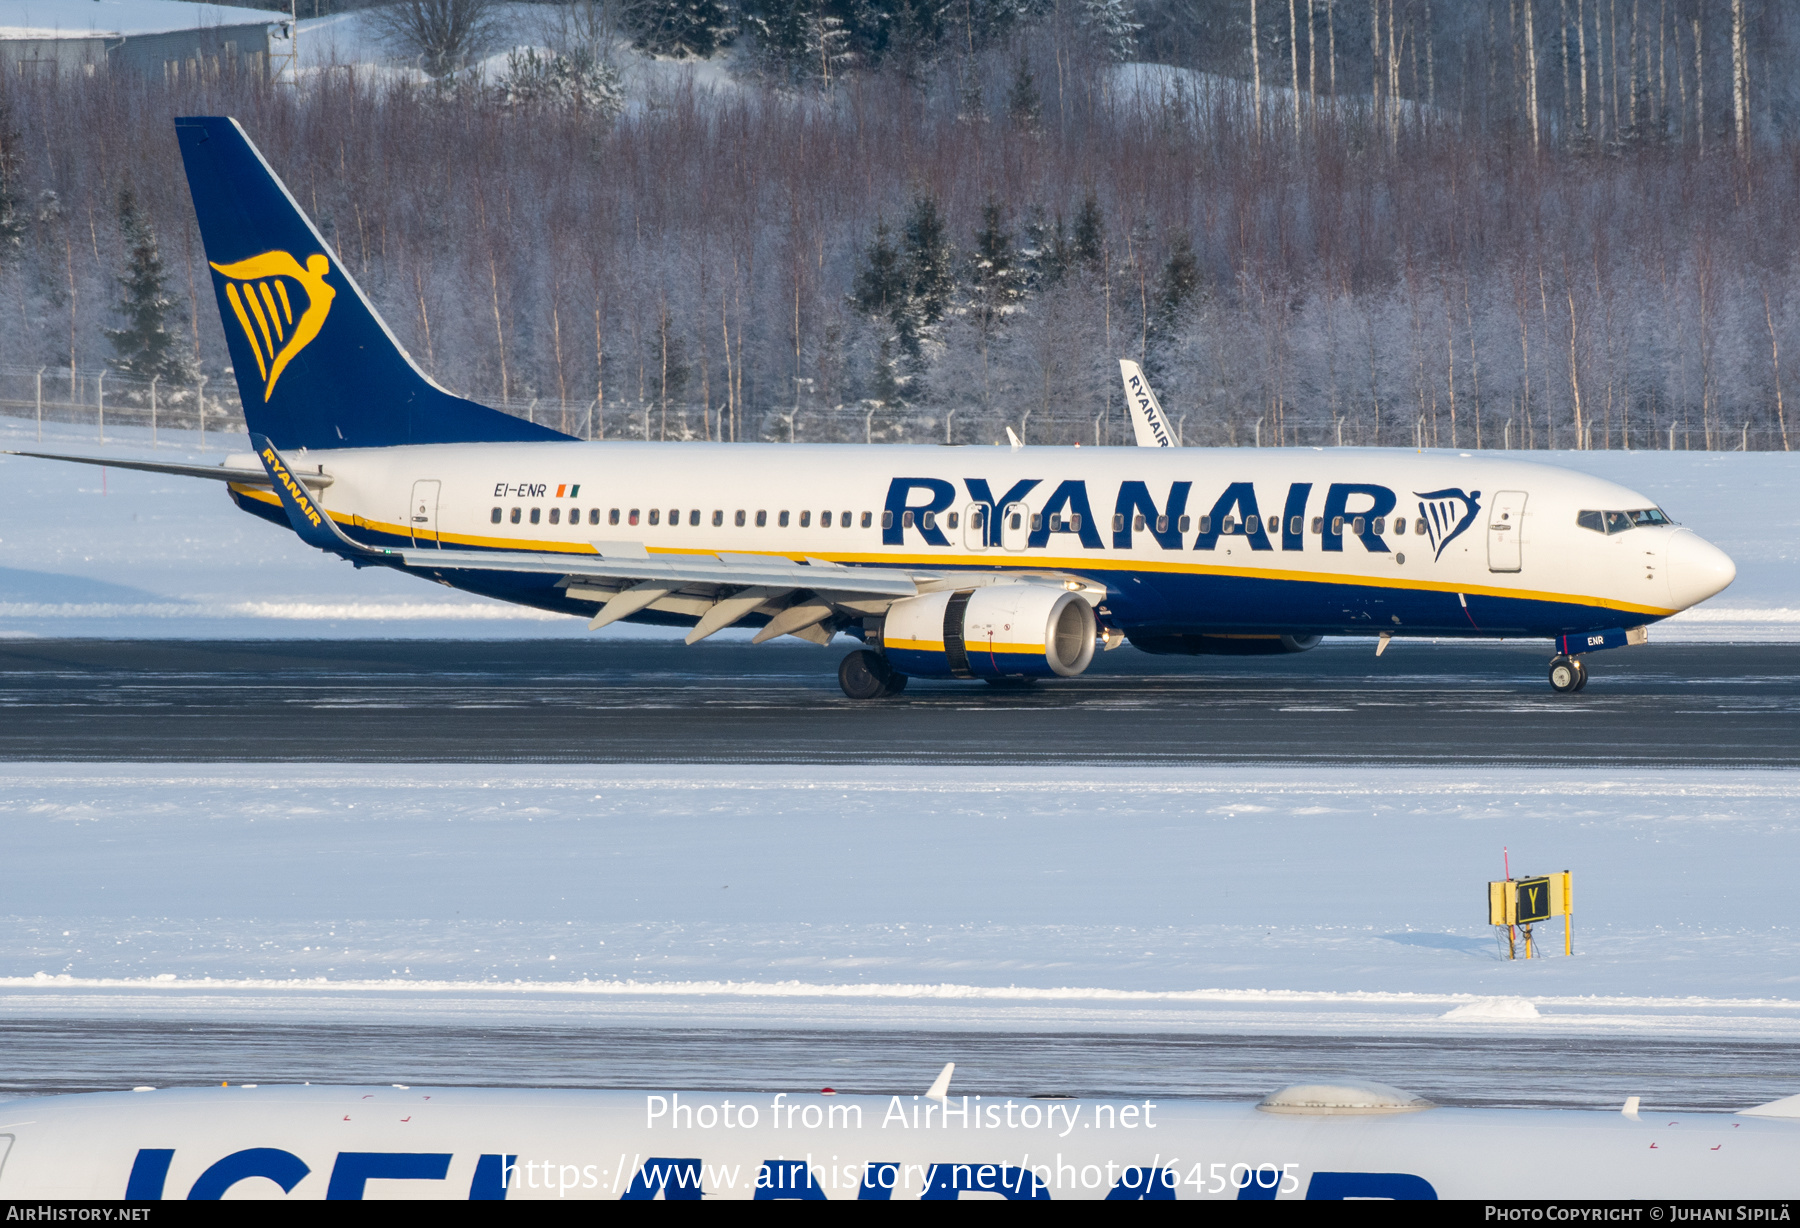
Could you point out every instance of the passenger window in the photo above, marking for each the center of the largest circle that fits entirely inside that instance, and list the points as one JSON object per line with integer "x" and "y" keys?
{"x": 694, "y": 518}
{"x": 781, "y": 520}
{"x": 1037, "y": 522}
{"x": 556, "y": 515}
{"x": 1162, "y": 523}
{"x": 1400, "y": 526}
{"x": 515, "y": 515}
{"x": 1252, "y": 524}
{"x": 1419, "y": 525}
{"x": 496, "y": 516}
{"x": 1056, "y": 524}
{"x": 806, "y": 520}
{"x": 1380, "y": 525}
{"x": 612, "y": 517}
{"x": 594, "y": 515}
{"x": 825, "y": 520}
{"x": 1318, "y": 525}
{"x": 632, "y": 518}
{"x": 1186, "y": 521}
{"x": 574, "y": 515}
{"x": 906, "y": 520}
{"x": 1017, "y": 520}
{"x": 845, "y": 520}
{"x": 1294, "y": 526}
{"x": 953, "y": 518}
{"x": 1227, "y": 525}
{"x": 656, "y": 515}
{"x": 1075, "y": 523}
{"x": 1337, "y": 526}
{"x": 887, "y": 520}
{"x": 977, "y": 519}
{"x": 719, "y": 518}
{"x": 1206, "y": 524}
{"x": 1356, "y": 526}
{"x": 740, "y": 518}
{"x": 674, "y": 517}
{"x": 534, "y": 515}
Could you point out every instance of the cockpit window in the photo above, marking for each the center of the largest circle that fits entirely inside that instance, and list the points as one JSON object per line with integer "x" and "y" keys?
{"x": 1618, "y": 522}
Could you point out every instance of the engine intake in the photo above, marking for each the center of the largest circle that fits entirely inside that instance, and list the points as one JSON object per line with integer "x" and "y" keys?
{"x": 999, "y": 631}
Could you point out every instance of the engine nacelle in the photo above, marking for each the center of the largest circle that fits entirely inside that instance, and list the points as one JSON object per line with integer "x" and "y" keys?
{"x": 998, "y": 631}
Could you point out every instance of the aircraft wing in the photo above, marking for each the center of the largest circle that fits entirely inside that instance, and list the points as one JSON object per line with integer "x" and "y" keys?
{"x": 678, "y": 569}
{"x": 1148, "y": 422}
{"x": 221, "y": 473}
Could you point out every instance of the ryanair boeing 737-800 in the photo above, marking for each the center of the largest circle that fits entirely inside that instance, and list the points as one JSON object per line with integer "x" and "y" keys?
{"x": 944, "y": 562}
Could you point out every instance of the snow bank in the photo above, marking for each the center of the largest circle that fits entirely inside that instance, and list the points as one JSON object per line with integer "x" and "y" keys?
{"x": 1236, "y": 898}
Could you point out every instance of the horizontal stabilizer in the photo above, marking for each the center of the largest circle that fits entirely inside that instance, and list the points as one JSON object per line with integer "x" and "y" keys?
{"x": 220, "y": 473}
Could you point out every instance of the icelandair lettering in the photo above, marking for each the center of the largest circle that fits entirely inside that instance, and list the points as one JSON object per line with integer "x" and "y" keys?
{"x": 689, "y": 1178}
{"x": 1354, "y": 509}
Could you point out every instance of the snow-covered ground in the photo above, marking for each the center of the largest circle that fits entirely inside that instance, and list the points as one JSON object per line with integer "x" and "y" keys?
{"x": 1217, "y": 898}
{"x": 117, "y": 553}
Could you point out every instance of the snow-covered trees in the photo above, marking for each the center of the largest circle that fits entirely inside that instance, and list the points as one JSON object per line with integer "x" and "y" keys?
{"x": 574, "y": 80}
{"x": 680, "y": 28}
{"x": 148, "y": 345}
{"x": 714, "y": 261}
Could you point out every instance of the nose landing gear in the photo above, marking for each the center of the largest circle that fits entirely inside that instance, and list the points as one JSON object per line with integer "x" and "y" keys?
{"x": 1567, "y": 674}
{"x": 866, "y": 675}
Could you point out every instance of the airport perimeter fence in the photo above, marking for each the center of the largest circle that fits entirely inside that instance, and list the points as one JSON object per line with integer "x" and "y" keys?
{"x": 100, "y": 399}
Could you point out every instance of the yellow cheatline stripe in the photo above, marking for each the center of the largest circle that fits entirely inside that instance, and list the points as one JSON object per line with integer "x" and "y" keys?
{"x": 237, "y": 305}
{"x": 973, "y": 647}
{"x": 1028, "y": 563}
{"x": 274, "y": 316}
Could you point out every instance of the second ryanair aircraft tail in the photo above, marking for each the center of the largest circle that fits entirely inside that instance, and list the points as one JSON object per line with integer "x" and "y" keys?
{"x": 316, "y": 366}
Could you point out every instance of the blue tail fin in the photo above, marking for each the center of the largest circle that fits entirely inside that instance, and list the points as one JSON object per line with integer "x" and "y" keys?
{"x": 316, "y": 366}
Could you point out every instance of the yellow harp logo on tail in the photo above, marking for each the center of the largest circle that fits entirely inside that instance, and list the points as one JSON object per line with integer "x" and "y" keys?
{"x": 259, "y": 292}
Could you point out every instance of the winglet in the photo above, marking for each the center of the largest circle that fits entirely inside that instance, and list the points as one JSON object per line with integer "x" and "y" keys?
{"x": 310, "y": 521}
{"x": 1148, "y": 422}
{"x": 1630, "y": 1108}
{"x": 1016, "y": 442}
{"x": 940, "y": 1086}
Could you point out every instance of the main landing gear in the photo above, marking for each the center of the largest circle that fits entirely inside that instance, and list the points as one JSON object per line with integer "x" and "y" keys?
{"x": 1567, "y": 674}
{"x": 866, "y": 675}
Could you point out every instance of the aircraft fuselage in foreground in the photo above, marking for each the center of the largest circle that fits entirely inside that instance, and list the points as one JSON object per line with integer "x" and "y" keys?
{"x": 463, "y": 1143}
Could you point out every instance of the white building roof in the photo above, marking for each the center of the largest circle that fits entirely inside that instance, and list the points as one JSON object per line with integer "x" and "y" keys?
{"x": 118, "y": 18}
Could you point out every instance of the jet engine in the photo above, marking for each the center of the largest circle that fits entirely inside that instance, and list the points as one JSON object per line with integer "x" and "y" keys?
{"x": 998, "y": 631}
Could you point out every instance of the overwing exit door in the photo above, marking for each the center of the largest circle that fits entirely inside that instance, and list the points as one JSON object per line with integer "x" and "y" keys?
{"x": 1506, "y": 522}
{"x": 1015, "y": 526}
{"x": 423, "y": 513}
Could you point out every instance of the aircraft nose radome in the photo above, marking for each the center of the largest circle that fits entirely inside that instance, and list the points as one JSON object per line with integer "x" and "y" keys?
{"x": 1697, "y": 569}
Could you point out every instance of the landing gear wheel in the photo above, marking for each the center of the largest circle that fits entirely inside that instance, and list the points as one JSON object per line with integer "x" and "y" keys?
{"x": 1567, "y": 675}
{"x": 867, "y": 675}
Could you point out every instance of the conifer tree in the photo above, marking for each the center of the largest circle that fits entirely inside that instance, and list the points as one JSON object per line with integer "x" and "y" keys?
{"x": 697, "y": 28}
{"x": 12, "y": 218}
{"x": 1090, "y": 233}
{"x": 930, "y": 276}
{"x": 1024, "y": 106}
{"x": 145, "y": 347}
